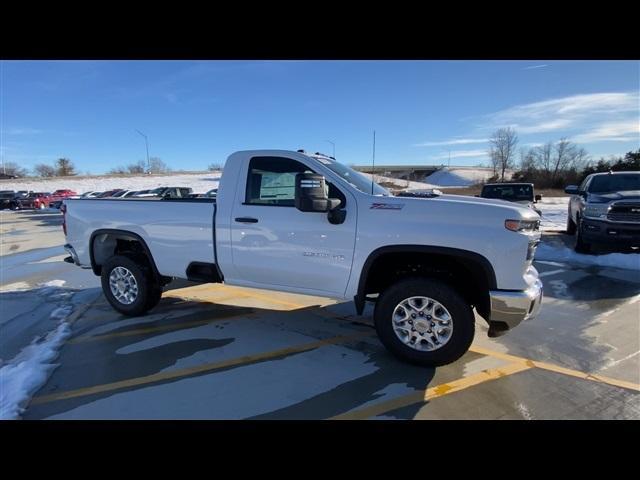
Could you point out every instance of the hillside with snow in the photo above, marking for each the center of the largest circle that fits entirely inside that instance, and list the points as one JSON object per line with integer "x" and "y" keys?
{"x": 200, "y": 182}
{"x": 462, "y": 176}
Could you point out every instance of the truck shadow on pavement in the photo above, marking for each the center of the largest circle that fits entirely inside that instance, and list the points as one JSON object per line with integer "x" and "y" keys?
{"x": 107, "y": 348}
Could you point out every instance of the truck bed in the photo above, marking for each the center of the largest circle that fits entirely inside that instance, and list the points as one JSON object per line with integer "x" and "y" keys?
{"x": 178, "y": 232}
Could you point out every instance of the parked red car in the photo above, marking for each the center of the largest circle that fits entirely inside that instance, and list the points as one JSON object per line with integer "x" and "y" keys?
{"x": 64, "y": 193}
{"x": 37, "y": 200}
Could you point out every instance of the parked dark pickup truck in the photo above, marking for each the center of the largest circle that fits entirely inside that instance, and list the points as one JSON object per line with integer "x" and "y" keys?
{"x": 605, "y": 209}
{"x": 521, "y": 193}
{"x": 5, "y": 198}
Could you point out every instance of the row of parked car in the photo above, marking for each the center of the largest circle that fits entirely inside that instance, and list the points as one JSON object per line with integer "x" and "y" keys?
{"x": 24, "y": 199}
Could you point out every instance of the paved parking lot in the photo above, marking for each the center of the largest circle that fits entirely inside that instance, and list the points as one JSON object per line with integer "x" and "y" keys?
{"x": 221, "y": 352}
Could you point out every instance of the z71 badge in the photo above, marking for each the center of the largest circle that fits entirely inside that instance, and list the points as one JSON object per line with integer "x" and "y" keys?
{"x": 387, "y": 206}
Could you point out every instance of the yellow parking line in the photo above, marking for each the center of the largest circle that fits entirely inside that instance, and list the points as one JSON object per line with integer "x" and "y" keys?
{"x": 555, "y": 368}
{"x": 208, "y": 367}
{"x": 238, "y": 292}
{"x": 141, "y": 331}
{"x": 433, "y": 392}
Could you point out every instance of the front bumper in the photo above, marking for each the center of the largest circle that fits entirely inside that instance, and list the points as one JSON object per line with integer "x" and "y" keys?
{"x": 509, "y": 308}
{"x": 605, "y": 232}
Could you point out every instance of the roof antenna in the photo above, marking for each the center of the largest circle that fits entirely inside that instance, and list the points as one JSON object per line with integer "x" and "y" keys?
{"x": 373, "y": 164}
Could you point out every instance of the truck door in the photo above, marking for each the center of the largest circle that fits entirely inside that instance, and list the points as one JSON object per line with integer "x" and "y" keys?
{"x": 275, "y": 244}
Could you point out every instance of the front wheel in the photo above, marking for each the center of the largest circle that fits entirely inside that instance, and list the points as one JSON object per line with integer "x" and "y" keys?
{"x": 580, "y": 246}
{"x": 424, "y": 321}
{"x": 129, "y": 285}
{"x": 571, "y": 225}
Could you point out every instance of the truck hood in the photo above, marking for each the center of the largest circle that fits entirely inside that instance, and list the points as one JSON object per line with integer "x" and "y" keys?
{"x": 613, "y": 196}
{"x": 467, "y": 205}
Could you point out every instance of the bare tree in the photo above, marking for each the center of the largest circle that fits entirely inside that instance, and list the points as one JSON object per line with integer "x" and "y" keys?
{"x": 42, "y": 170}
{"x": 156, "y": 165}
{"x": 493, "y": 156}
{"x": 527, "y": 160}
{"x": 136, "y": 167}
{"x": 118, "y": 170}
{"x": 503, "y": 149}
{"x": 214, "y": 167}
{"x": 65, "y": 167}
{"x": 12, "y": 168}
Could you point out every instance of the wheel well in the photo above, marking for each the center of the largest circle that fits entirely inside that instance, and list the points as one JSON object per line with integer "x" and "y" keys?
{"x": 105, "y": 244}
{"x": 469, "y": 276}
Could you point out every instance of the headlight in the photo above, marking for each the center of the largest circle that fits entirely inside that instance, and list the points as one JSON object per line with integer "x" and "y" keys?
{"x": 522, "y": 225}
{"x": 596, "y": 210}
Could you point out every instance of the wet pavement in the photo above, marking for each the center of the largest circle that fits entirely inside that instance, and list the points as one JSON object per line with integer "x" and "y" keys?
{"x": 221, "y": 352}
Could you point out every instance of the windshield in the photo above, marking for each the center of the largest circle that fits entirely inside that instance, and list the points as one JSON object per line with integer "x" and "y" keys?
{"x": 510, "y": 193}
{"x": 356, "y": 179}
{"x": 6, "y": 195}
{"x": 615, "y": 183}
{"x": 157, "y": 191}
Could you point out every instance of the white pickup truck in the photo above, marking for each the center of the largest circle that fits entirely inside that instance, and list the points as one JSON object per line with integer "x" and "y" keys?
{"x": 301, "y": 223}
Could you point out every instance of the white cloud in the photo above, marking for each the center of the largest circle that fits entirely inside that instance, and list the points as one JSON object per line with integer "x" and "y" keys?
{"x": 462, "y": 154}
{"x": 624, "y": 131}
{"x": 22, "y": 131}
{"x": 584, "y": 118}
{"x": 454, "y": 141}
{"x": 535, "y": 66}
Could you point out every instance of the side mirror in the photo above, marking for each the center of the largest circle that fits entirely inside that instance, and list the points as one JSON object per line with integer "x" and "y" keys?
{"x": 311, "y": 194}
{"x": 571, "y": 190}
{"x": 538, "y": 198}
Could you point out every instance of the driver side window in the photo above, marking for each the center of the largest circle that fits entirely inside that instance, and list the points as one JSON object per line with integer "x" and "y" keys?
{"x": 271, "y": 181}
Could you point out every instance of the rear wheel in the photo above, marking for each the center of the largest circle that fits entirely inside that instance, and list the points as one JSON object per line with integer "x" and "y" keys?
{"x": 424, "y": 321}
{"x": 129, "y": 285}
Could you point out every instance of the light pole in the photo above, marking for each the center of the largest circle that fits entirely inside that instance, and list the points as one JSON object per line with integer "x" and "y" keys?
{"x": 146, "y": 143}
{"x": 334, "y": 147}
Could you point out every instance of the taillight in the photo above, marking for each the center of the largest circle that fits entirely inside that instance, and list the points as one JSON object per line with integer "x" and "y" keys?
{"x": 63, "y": 209}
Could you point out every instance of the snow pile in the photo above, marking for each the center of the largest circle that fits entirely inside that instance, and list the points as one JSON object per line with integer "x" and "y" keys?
{"x": 554, "y": 213}
{"x": 28, "y": 371}
{"x": 628, "y": 261}
{"x": 200, "y": 182}
{"x": 399, "y": 183}
{"x": 22, "y": 376}
{"x": 462, "y": 176}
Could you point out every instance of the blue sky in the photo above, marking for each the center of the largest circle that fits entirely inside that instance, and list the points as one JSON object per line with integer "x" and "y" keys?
{"x": 197, "y": 113}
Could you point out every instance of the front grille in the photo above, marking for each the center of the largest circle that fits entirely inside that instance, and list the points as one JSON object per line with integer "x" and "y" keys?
{"x": 624, "y": 212}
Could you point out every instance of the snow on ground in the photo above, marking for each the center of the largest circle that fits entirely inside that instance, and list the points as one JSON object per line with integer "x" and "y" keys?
{"x": 398, "y": 183}
{"x": 461, "y": 176}
{"x": 200, "y": 182}
{"x": 28, "y": 371}
{"x": 23, "y": 375}
{"x": 629, "y": 261}
{"x": 554, "y": 213}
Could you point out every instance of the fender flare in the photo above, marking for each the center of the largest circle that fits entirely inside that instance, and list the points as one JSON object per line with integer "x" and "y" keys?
{"x": 485, "y": 264}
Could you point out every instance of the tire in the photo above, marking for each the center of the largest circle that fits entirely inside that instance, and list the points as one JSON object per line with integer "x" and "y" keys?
{"x": 461, "y": 319}
{"x": 155, "y": 296}
{"x": 571, "y": 225}
{"x": 147, "y": 291}
{"x": 580, "y": 246}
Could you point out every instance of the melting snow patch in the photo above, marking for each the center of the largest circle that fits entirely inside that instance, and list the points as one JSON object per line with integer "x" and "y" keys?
{"x": 629, "y": 261}
{"x": 53, "y": 283}
{"x": 15, "y": 287}
{"x": 28, "y": 371}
